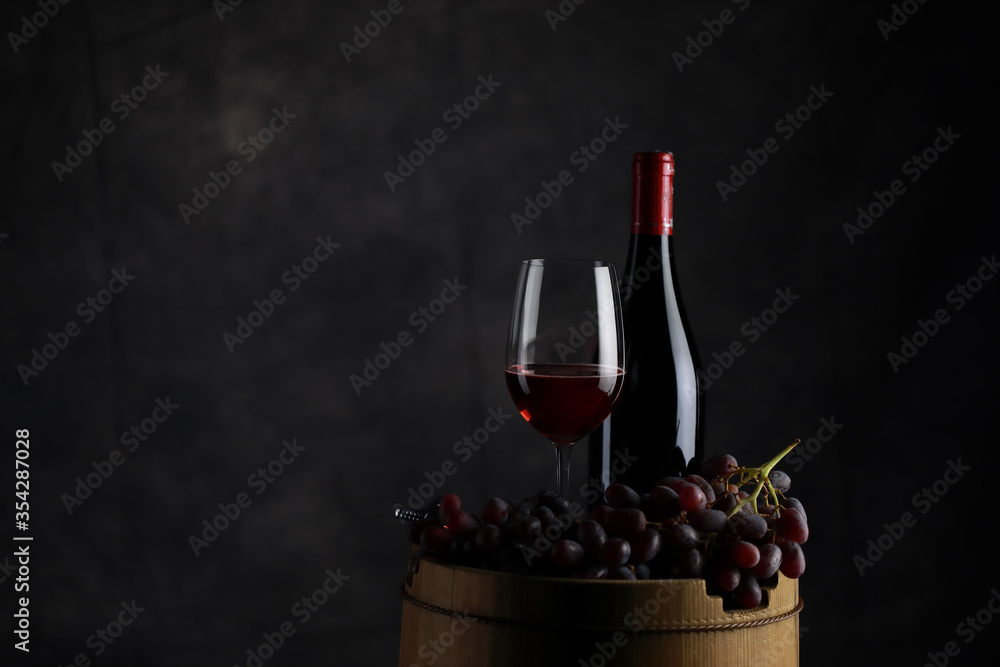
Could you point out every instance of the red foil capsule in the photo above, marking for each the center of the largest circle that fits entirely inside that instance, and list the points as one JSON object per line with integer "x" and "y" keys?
{"x": 653, "y": 193}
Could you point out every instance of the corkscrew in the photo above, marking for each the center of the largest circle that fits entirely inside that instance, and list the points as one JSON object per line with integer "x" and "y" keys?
{"x": 431, "y": 509}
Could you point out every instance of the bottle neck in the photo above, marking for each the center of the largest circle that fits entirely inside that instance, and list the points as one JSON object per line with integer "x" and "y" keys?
{"x": 649, "y": 267}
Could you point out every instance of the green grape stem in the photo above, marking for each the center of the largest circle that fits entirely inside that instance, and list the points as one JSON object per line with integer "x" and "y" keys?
{"x": 760, "y": 475}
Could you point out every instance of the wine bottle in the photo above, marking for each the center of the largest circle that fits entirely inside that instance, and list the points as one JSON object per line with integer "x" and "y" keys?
{"x": 656, "y": 428}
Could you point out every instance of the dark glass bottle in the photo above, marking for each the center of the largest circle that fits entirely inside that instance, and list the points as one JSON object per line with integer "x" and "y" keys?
{"x": 656, "y": 428}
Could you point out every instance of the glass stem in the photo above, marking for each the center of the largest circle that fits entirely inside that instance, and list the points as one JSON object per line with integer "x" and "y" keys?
{"x": 563, "y": 452}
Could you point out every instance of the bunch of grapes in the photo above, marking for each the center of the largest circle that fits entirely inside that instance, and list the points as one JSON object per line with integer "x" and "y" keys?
{"x": 735, "y": 527}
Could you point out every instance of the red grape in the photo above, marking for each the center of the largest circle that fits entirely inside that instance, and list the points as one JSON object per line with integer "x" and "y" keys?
{"x": 462, "y": 522}
{"x": 665, "y": 500}
{"x": 780, "y": 480}
{"x": 747, "y": 593}
{"x": 619, "y": 495}
{"x": 690, "y": 496}
{"x": 566, "y": 553}
{"x": 770, "y": 561}
{"x": 437, "y": 540}
{"x": 601, "y": 513}
{"x": 669, "y": 481}
{"x": 744, "y": 554}
{"x": 616, "y": 551}
{"x": 591, "y": 536}
{"x": 680, "y": 536}
{"x": 524, "y": 507}
{"x": 590, "y": 571}
{"x": 691, "y": 564}
{"x": 725, "y": 502}
{"x": 621, "y": 572}
{"x": 792, "y": 526}
{"x": 553, "y": 501}
{"x": 546, "y": 515}
{"x": 705, "y": 487}
{"x": 449, "y": 503}
{"x": 645, "y": 546}
{"x": 794, "y": 502}
{"x": 626, "y": 522}
{"x": 414, "y": 528}
{"x": 681, "y": 528}
{"x": 793, "y": 561}
{"x": 559, "y": 505}
{"x": 720, "y": 465}
{"x": 707, "y": 521}
{"x": 528, "y": 527}
{"x": 726, "y": 578}
{"x": 488, "y": 538}
{"x": 748, "y": 525}
{"x": 496, "y": 511}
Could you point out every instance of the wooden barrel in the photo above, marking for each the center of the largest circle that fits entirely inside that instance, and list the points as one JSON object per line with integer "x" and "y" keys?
{"x": 464, "y": 617}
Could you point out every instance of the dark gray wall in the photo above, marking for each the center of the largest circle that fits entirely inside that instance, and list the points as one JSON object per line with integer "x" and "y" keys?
{"x": 323, "y": 176}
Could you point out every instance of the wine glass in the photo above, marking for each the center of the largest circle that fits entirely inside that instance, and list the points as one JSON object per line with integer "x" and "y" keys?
{"x": 565, "y": 351}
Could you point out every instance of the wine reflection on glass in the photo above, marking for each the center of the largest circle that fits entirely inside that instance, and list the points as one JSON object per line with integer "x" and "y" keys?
{"x": 565, "y": 351}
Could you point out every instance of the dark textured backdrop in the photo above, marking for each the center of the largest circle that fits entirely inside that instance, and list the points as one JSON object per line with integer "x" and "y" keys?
{"x": 61, "y": 237}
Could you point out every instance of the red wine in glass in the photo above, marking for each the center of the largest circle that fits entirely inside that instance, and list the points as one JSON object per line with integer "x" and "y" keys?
{"x": 565, "y": 351}
{"x": 564, "y": 402}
